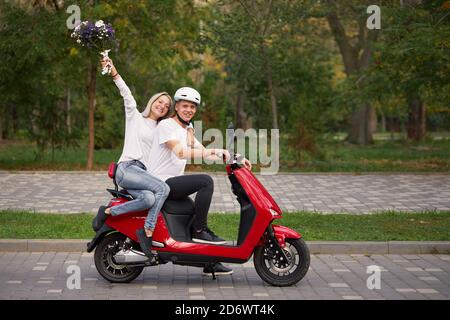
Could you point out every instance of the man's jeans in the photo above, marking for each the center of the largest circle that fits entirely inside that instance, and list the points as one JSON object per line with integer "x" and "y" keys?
{"x": 149, "y": 192}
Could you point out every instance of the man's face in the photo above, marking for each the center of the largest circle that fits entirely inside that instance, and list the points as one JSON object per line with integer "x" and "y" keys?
{"x": 186, "y": 109}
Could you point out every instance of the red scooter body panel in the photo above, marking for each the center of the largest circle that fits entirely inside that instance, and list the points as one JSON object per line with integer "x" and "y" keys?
{"x": 258, "y": 195}
{"x": 128, "y": 224}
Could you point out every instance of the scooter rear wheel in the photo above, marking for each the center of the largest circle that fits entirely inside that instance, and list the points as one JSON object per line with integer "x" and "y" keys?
{"x": 283, "y": 273}
{"x": 106, "y": 265}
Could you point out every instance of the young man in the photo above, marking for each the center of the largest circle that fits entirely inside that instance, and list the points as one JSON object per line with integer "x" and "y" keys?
{"x": 168, "y": 158}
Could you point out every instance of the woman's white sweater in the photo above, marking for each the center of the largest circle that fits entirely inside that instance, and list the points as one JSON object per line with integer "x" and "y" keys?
{"x": 139, "y": 131}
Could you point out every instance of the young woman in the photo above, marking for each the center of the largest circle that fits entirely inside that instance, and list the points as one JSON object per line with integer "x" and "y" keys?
{"x": 149, "y": 191}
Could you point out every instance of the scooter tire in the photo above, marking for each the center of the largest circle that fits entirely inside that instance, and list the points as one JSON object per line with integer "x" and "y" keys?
{"x": 105, "y": 263}
{"x": 283, "y": 277}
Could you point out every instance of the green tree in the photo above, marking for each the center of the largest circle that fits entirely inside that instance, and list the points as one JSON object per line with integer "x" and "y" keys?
{"x": 247, "y": 35}
{"x": 347, "y": 21}
{"x": 35, "y": 52}
{"x": 275, "y": 55}
{"x": 412, "y": 60}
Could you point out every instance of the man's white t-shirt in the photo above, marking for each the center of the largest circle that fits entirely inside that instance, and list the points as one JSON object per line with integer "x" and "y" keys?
{"x": 163, "y": 162}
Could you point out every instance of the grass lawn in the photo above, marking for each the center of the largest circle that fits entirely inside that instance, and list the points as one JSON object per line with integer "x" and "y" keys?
{"x": 432, "y": 226}
{"x": 336, "y": 156}
{"x": 382, "y": 156}
{"x": 22, "y": 156}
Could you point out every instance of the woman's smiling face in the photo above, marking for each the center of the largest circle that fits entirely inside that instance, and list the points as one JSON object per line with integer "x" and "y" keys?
{"x": 160, "y": 107}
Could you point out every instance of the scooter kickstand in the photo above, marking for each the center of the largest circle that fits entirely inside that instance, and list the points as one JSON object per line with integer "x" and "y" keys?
{"x": 212, "y": 271}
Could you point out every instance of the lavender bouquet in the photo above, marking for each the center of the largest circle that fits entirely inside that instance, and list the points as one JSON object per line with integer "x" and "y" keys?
{"x": 98, "y": 35}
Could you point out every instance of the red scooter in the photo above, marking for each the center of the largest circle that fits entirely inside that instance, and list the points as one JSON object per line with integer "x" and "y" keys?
{"x": 280, "y": 256}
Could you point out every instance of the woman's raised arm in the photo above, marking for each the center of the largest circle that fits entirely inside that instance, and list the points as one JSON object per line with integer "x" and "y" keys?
{"x": 128, "y": 99}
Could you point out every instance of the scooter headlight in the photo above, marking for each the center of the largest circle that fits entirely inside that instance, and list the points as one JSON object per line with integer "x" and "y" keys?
{"x": 274, "y": 213}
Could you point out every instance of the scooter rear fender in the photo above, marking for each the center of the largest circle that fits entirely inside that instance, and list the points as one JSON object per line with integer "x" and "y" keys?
{"x": 101, "y": 233}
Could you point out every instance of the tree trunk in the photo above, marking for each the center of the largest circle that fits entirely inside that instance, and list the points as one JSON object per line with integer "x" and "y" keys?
{"x": 68, "y": 107}
{"x": 3, "y": 123}
{"x": 273, "y": 99}
{"x": 262, "y": 16}
{"x": 355, "y": 58}
{"x": 241, "y": 115}
{"x": 91, "y": 105}
{"x": 363, "y": 124}
{"x": 383, "y": 122}
{"x": 392, "y": 130}
{"x": 416, "y": 126}
{"x": 15, "y": 121}
{"x": 349, "y": 56}
{"x": 1, "y": 130}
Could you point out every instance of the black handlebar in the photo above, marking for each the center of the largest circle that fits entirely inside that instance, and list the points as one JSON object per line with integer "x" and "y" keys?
{"x": 231, "y": 138}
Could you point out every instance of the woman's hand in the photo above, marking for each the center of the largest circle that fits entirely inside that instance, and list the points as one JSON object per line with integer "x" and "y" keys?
{"x": 108, "y": 61}
{"x": 105, "y": 62}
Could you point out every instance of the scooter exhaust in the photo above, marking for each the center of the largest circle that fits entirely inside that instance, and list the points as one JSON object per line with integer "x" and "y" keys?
{"x": 130, "y": 256}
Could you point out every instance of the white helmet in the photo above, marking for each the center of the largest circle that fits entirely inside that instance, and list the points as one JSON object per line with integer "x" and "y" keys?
{"x": 188, "y": 94}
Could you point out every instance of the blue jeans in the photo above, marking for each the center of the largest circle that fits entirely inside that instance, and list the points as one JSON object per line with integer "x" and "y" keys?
{"x": 149, "y": 192}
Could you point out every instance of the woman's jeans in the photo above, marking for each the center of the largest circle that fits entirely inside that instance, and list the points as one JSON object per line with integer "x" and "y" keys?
{"x": 148, "y": 191}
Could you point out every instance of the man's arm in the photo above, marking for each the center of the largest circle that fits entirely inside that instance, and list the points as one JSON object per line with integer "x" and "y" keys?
{"x": 189, "y": 153}
{"x": 217, "y": 154}
{"x": 199, "y": 151}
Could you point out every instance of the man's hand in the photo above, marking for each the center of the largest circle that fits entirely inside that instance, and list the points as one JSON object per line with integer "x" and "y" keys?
{"x": 247, "y": 164}
{"x": 244, "y": 161}
{"x": 224, "y": 154}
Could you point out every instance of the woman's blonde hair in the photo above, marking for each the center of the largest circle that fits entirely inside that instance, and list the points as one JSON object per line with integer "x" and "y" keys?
{"x": 148, "y": 108}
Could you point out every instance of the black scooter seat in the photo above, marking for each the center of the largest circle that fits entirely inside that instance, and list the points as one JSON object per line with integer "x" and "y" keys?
{"x": 184, "y": 206}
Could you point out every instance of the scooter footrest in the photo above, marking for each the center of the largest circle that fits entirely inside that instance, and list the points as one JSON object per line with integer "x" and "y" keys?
{"x": 120, "y": 194}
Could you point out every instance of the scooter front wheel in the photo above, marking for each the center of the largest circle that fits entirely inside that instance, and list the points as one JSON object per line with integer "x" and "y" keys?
{"x": 272, "y": 268}
{"x": 107, "y": 266}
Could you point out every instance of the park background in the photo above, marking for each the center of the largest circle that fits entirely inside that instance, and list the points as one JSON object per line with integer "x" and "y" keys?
{"x": 344, "y": 97}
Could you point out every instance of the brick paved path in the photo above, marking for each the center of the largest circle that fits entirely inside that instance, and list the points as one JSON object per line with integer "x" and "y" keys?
{"x": 37, "y": 275}
{"x": 64, "y": 192}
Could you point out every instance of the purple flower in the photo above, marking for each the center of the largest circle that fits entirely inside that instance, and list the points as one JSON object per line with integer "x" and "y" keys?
{"x": 99, "y": 35}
